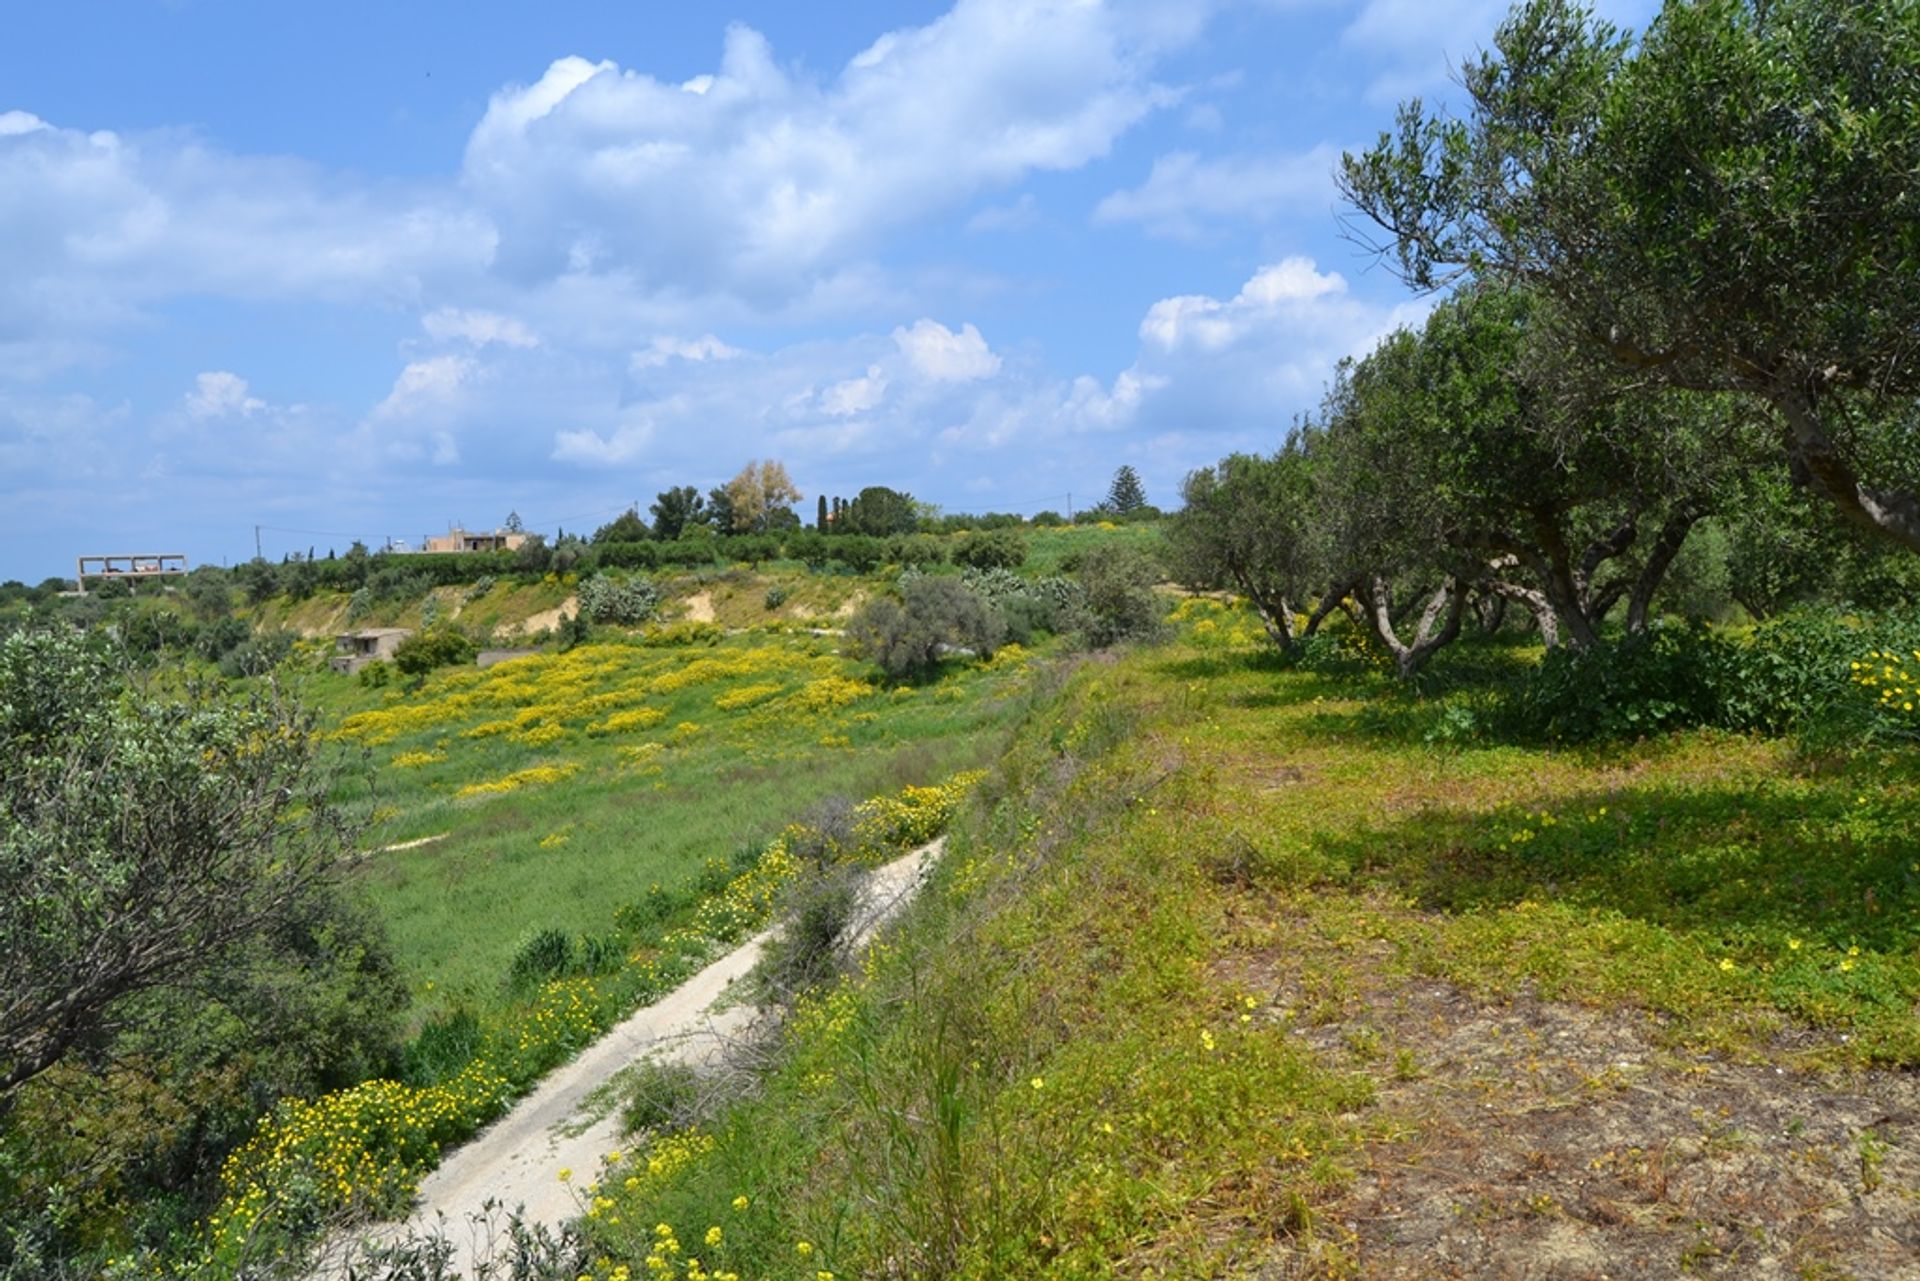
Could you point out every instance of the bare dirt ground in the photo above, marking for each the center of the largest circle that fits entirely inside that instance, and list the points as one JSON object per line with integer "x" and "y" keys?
{"x": 1542, "y": 1140}
{"x": 700, "y": 608}
{"x": 518, "y": 1160}
{"x": 548, "y": 619}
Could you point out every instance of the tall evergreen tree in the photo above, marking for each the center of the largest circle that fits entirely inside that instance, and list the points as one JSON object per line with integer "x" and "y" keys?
{"x": 1126, "y": 493}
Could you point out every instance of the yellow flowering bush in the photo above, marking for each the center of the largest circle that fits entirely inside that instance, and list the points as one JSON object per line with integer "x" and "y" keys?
{"x": 746, "y": 696}
{"x": 414, "y": 760}
{"x": 1887, "y": 672}
{"x": 632, "y": 719}
{"x": 534, "y": 776}
{"x": 913, "y": 816}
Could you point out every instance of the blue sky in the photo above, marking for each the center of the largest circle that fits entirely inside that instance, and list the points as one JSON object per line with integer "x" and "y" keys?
{"x": 362, "y": 270}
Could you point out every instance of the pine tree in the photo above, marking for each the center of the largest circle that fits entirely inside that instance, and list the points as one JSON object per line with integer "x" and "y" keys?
{"x": 1126, "y": 493}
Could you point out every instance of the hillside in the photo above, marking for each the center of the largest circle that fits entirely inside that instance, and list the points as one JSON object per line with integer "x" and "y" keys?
{"x": 1227, "y": 973}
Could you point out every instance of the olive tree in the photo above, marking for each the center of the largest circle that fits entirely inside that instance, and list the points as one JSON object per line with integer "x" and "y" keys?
{"x": 146, "y": 841}
{"x": 1723, "y": 205}
{"x": 1248, "y": 523}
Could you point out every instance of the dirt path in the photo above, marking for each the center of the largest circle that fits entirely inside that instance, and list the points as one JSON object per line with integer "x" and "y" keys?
{"x": 517, "y": 1161}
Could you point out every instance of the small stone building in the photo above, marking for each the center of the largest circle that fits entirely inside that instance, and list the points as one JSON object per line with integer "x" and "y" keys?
{"x": 354, "y": 650}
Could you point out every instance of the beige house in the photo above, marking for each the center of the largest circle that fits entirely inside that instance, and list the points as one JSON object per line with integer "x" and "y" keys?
{"x": 460, "y": 540}
{"x": 354, "y": 650}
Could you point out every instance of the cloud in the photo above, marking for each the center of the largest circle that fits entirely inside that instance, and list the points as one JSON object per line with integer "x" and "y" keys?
{"x": 433, "y": 386}
{"x": 665, "y": 349}
{"x": 478, "y": 328}
{"x": 1196, "y": 321}
{"x": 98, "y": 228}
{"x": 937, "y": 353}
{"x": 855, "y": 395}
{"x": 1185, "y": 193}
{"x": 219, "y": 394}
{"x": 1018, "y": 216}
{"x": 757, "y": 179}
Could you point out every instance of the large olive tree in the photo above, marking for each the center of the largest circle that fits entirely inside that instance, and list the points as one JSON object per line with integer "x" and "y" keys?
{"x": 147, "y": 840}
{"x": 1725, "y": 205}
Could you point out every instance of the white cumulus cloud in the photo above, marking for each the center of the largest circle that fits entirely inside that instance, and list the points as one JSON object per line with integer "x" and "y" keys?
{"x": 758, "y": 178}
{"x": 218, "y": 393}
{"x": 941, "y": 355}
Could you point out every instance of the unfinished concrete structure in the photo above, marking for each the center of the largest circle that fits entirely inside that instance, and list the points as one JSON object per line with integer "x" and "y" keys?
{"x": 369, "y": 645}
{"x": 462, "y": 540}
{"x": 139, "y": 565}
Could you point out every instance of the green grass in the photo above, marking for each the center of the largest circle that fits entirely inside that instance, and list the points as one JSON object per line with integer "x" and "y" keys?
{"x": 1049, "y": 549}
{"x": 1078, "y": 1056}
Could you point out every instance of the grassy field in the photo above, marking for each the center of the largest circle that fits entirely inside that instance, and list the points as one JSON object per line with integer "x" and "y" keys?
{"x": 1229, "y": 973}
{"x": 553, "y": 791}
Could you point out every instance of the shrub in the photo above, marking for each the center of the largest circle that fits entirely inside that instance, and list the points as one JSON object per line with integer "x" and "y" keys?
{"x": 652, "y": 908}
{"x": 376, "y": 674}
{"x": 916, "y": 549}
{"x": 605, "y": 600}
{"x": 857, "y": 552}
{"x": 257, "y": 655}
{"x": 1120, "y": 601}
{"x": 776, "y": 597}
{"x": 446, "y": 1043}
{"x": 820, "y": 907}
{"x": 996, "y": 549}
{"x": 436, "y": 647}
{"x": 908, "y": 637}
{"x": 661, "y": 1097}
{"x": 481, "y": 586}
{"x": 217, "y": 637}
{"x": 1665, "y": 678}
{"x": 542, "y": 954}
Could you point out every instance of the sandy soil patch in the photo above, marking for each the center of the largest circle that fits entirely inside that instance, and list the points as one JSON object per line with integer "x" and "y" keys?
{"x": 699, "y": 608}
{"x": 547, "y": 619}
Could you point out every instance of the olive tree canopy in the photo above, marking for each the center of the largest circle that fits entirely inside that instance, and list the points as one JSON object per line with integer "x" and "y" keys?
{"x": 1725, "y": 205}
{"x": 145, "y": 839}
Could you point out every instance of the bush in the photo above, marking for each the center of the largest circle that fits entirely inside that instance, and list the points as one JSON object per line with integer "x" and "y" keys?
{"x": 217, "y": 637}
{"x": 542, "y": 955}
{"x": 857, "y": 552}
{"x": 653, "y": 908}
{"x": 427, "y": 650}
{"x": 819, "y": 911}
{"x": 1663, "y": 679}
{"x": 996, "y": 549}
{"x": 605, "y": 600}
{"x": 776, "y": 597}
{"x": 376, "y": 674}
{"x": 446, "y": 1043}
{"x": 1120, "y": 601}
{"x": 920, "y": 550}
{"x": 908, "y": 637}
{"x": 257, "y": 655}
{"x": 661, "y": 1097}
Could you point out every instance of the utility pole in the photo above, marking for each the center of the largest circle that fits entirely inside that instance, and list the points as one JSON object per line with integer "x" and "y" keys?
{"x": 256, "y": 542}
{"x": 1069, "y": 507}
